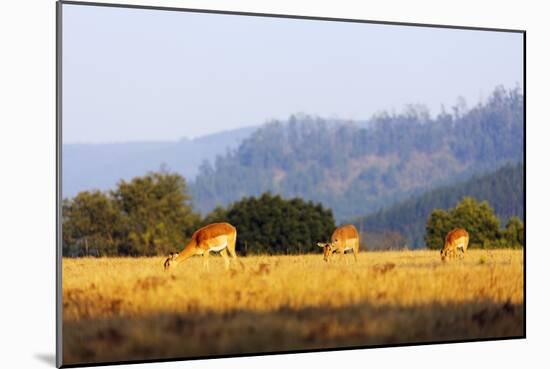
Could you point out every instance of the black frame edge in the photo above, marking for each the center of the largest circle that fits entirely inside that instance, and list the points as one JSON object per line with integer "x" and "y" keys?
{"x": 58, "y": 140}
{"x": 286, "y": 16}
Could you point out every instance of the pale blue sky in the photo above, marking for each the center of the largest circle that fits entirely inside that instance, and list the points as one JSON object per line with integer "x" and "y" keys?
{"x": 142, "y": 75}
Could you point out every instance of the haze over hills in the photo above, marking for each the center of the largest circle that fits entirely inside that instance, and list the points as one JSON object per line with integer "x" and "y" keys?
{"x": 354, "y": 168}
{"x": 101, "y": 166}
{"x": 358, "y": 169}
{"x": 503, "y": 189}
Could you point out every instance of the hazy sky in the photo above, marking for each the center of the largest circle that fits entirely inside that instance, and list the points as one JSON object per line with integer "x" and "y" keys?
{"x": 135, "y": 75}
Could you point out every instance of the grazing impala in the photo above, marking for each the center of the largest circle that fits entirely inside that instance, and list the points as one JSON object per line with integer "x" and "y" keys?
{"x": 344, "y": 238}
{"x": 456, "y": 239}
{"x": 218, "y": 237}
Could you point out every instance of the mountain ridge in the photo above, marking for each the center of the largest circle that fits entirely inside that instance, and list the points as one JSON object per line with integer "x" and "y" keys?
{"x": 88, "y": 166}
{"x": 356, "y": 170}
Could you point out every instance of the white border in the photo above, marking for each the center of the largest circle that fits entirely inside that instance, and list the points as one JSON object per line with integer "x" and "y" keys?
{"x": 27, "y": 202}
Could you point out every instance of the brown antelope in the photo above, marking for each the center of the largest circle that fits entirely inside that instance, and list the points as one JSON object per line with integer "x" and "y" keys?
{"x": 344, "y": 238}
{"x": 456, "y": 239}
{"x": 218, "y": 237}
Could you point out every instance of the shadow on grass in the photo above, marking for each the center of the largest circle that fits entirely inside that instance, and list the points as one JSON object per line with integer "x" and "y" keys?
{"x": 237, "y": 332}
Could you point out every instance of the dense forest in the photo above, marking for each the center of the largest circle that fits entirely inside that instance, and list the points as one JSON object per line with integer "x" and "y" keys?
{"x": 358, "y": 169}
{"x": 502, "y": 189}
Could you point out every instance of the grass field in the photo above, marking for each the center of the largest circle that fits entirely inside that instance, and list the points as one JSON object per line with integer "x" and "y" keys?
{"x": 130, "y": 309}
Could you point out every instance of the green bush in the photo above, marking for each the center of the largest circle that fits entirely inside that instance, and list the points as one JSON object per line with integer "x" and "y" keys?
{"x": 479, "y": 220}
{"x": 273, "y": 225}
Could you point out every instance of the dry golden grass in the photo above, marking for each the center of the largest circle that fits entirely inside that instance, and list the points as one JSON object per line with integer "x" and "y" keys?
{"x": 130, "y": 309}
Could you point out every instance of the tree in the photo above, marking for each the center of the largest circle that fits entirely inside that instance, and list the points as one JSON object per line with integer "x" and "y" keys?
{"x": 92, "y": 225}
{"x": 479, "y": 219}
{"x": 439, "y": 223}
{"x": 273, "y": 225}
{"x": 148, "y": 215}
{"x": 219, "y": 214}
{"x": 514, "y": 233}
{"x": 475, "y": 217}
{"x": 157, "y": 213}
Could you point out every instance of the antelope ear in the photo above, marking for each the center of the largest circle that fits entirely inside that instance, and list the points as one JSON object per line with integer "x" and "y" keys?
{"x": 322, "y": 245}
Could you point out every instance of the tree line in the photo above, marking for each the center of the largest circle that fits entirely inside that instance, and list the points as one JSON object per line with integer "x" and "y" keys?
{"x": 153, "y": 215}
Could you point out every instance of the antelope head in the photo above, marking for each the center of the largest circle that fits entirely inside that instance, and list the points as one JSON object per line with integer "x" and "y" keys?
{"x": 328, "y": 249}
{"x": 171, "y": 257}
{"x": 444, "y": 253}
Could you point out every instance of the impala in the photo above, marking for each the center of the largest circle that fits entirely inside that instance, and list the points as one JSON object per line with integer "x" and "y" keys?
{"x": 218, "y": 237}
{"x": 456, "y": 239}
{"x": 344, "y": 238}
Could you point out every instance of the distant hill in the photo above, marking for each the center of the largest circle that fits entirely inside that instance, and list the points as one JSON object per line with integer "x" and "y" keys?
{"x": 101, "y": 166}
{"x": 357, "y": 169}
{"x": 503, "y": 189}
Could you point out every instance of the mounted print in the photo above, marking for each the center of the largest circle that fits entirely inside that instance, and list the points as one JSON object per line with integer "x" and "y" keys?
{"x": 235, "y": 184}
